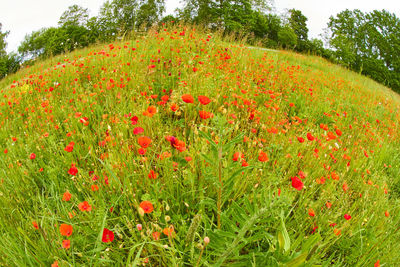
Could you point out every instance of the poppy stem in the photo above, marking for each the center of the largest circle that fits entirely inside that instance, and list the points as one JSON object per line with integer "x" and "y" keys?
{"x": 201, "y": 254}
{"x": 220, "y": 187}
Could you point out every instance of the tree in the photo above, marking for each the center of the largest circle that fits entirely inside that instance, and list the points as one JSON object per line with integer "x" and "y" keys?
{"x": 368, "y": 43}
{"x": 124, "y": 16}
{"x": 228, "y": 15}
{"x": 347, "y": 37}
{"x": 203, "y": 12}
{"x": 150, "y": 12}
{"x": 53, "y": 41}
{"x": 105, "y": 24}
{"x": 9, "y": 63}
{"x": 75, "y": 15}
{"x": 266, "y": 27}
{"x": 3, "y": 44}
{"x": 287, "y": 37}
{"x": 298, "y": 22}
{"x": 238, "y": 16}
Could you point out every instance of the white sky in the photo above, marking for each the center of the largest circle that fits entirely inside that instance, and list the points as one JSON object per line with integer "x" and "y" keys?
{"x": 21, "y": 17}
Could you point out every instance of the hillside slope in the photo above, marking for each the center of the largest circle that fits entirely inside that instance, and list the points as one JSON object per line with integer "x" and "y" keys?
{"x": 181, "y": 149}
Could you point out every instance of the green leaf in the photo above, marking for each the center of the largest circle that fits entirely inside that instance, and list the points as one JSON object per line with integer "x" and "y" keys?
{"x": 311, "y": 241}
{"x": 283, "y": 236}
{"x": 234, "y": 141}
{"x": 208, "y": 137}
{"x": 299, "y": 260}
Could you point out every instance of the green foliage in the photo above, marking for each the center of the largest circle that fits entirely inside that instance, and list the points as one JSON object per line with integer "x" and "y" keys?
{"x": 3, "y": 43}
{"x": 228, "y": 16}
{"x": 149, "y": 13}
{"x": 75, "y": 15}
{"x": 298, "y": 22}
{"x": 237, "y": 16}
{"x": 368, "y": 43}
{"x": 287, "y": 37}
{"x": 9, "y": 63}
{"x": 54, "y": 41}
{"x": 120, "y": 17}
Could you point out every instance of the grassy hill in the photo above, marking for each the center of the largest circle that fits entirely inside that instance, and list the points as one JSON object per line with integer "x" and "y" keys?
{"x": 180, "y": 149}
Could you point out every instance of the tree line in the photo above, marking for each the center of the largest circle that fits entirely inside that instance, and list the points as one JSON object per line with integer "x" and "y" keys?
{"x": 368, "y": 43}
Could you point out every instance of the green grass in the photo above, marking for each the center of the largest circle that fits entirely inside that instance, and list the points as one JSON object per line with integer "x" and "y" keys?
{"x": 261, "y": 101}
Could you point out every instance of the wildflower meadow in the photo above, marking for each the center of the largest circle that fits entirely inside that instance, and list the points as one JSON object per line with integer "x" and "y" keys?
{"x": 184, "y": 148}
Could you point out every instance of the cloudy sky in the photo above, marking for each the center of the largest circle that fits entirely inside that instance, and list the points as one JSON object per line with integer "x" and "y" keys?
{"x": 21, "y": 17}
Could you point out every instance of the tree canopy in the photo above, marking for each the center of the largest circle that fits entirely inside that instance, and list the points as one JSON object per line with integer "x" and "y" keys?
{"x": 75, "y": 15}
{"x": 3, "y": 44}
{"x": 368, "y": 43}
{"x": 9, "y": 63}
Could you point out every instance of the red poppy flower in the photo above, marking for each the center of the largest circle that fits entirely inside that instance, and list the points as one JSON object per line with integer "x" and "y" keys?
{"x": 300, "y": 139}
{"x": 108, "y": 236}
{"x": 345, "y": 187}
{"x": 347, "y": 216}
{"x": 187, "y": 98}
{"x": 66, "y": 229}
{"x": 337, "y": 231}
{"x": 138, "y": 130}
{"x": 151, "y": 110}
{"x": 310, "y": 137}
{"x": 174, "y": 107}
{"x": 171, "y": 139}
{"x": 311, "y": 212}
{"x": 297, "y": 183}
{"x": 69, "y": 147}
{"x": 180, "y": 145}
{"x": 153, "y": 174}
{"x": 334, "y": 176}
{"x": 134, "y": 120}
{"x": 236, "y": 156}
{"x": 144, "y": 141}
{"x": 84, "y": 121}
{"x": 84, "y": 206}
{"x": 205, "y": 114}
{"x": 169, "y": 231}
{"x": 302, "y": 175}
{"x": 263, "y": 157}
{"x": 203, "y": 100}
{"x": 32, "y": 156}
{"x": 165, "y": 98}
{"x": 156, "y": 235}
{"x": 244, "y": 163}
{"x": 331, "y": 136}
{"x": 323, "y": 126}
{"x": 66, "y": 244}
{"x": 146, "y": 206}
{"x": 73, "y": 170}
{"x": 67, "y": 196}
